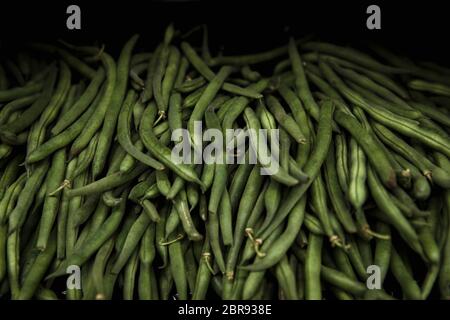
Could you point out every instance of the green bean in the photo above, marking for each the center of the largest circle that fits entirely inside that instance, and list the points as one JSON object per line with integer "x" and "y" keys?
{"x": 192, "y": 194}
{"x": 250, "y": 58}
{"x": 247, "y": 202}
{"x": 98, "y": 268}
{"x": 255, "y": 278}
{"x": 438, "y": 175}
{"x": 147, "y": 248}
{"x": 429, "y": 281}
{"x": 20, "y": 92}
{"x": 281, "y": 175}
{"x": 250, "y": 74}
{"x": 444, "y": 280}
{"x": 342, "y": 166}
{"x": 177, "y": 185}
{"x": 9, "y": 200}
{"x": 240, "y": 105}
{"x": 190, "y": 100}
{"x": 378, "y": 77}
{"x": 429, "y": 245}
{"x": 225, "y": 219}
{"x": 37, "y": 271}
{"x": 180, "y": 203}
{"x": 313, "y": 259}
{"x": 383, "y": 250}
{"x": 81, "y": 104}
{"x": 357, "y": 56}
{"x": 296, "y": 171}
{"x": 355, "y": 258}
{"x": 31, "y": 114}
{"x": 9, "y": 174}
{"x": 206, "y": 72}
{"x": 431, "y": 87}
{"x": 343, "y": 263}
{"x": 18, "y": 215}
{"x": 129, "y": 276}
{"x": 3, "y": 244}
{"x": 75, "y": 63}
{"x": 12, "y": 259}
{"x": 432, "y": 112}
{"x": 160, "y": 237}
{"x": 191, "y": 268}
{"x": 94, "y": 241}
{"x": 15, "y": 105}
{"x": 409, "y": 287}
{"x": 150, "y": 210}
{"x": 203, "y": 274}
{"x": 284, "y": 272}
{"x": 107, "y": 183}
{"x": 272, "y": 198}
{"x": 98, "y": 117}
{"x": 319, "y": 203}
{"x": 117, "y": 90}
{"x": 137, "y": 111}
{"x": 170, "y": 73}
{"x": 53, "y": 108}
{"x": 301, "y": 82}
{"x": 162, "y": 182}
{"x": 311, "y": 168}
{"x": 212, "y": 226}
{"x": 165, "y": 283}
{"x": 400, "y": 124}
{"x": 335, "y": 193}
{"x": 225, "y": 107}
{"x": 134, "y": 73}
{"x": 279, "y": 247}
{"x": 84, "y": 212}
{"x": 182, "y": 70}
{"x": 365, "y": 250}
{"x": 178, "y": 269}
{"x": 265, "y": 117}
{"x": 315, "y": 75}
{"x": 421, "y": 187}
{"x": 398, "y": 109}
{"x": 301, "y": 118}
{"x": 157, "y": 77}
{"x": 72, "y": 231}
{"x": 139, "y": 58}
{"x": 206, "y": 98}
{"x": 133, "y": 237}
{"x": 339, "y": 279}
{"x": 367, "y": 83}
{"x": 124, "y": 137}
{"x": 147, "y": 92}
{"x": 51, "y": 204}
{"x": 383, "y": 201}
{"x": 378, "y": 157}
{"x": 285, "y": 121}
{"x": 220, "y": 168}
{"x": 174, "y": 116}
{"x": 172, "y": 223}
{"x": 45, "y": 294}
{"x": 85, "y": 157}
{"x": 62, "y": 139}
{"x": 161, "y": 152}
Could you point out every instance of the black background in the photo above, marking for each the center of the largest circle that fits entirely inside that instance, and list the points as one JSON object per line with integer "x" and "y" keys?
{"x": 416, "y": 28}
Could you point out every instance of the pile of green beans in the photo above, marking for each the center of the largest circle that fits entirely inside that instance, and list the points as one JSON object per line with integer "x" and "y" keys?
{"x": 93, "y": 206}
